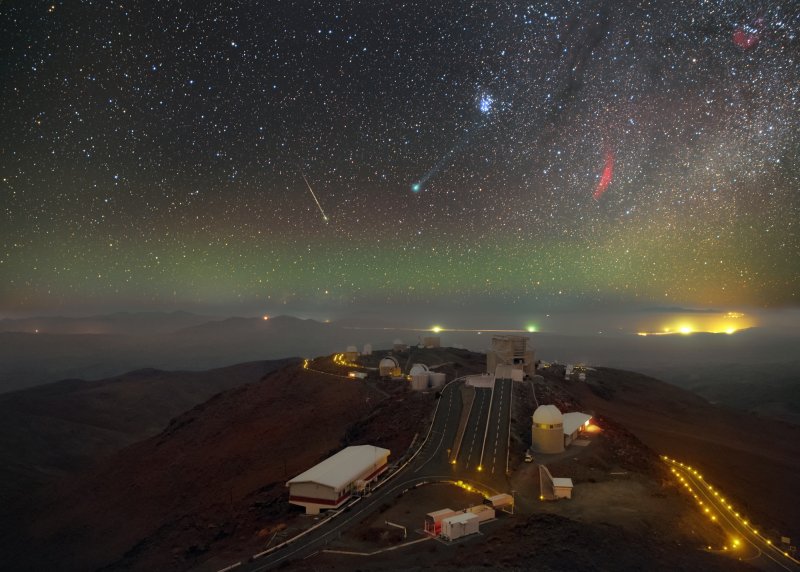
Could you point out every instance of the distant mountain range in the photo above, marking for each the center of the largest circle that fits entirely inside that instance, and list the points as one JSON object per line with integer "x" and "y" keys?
{"x": 120, "y": 323}
{"x": 103, "y": 346}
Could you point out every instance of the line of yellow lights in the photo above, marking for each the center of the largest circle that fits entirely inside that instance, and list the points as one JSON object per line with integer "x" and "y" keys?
{"x": 744, "y": 522}
{"x": 687, "y": 330}
{"x": 339, "y": 359}
{"x": 470, "y": 488}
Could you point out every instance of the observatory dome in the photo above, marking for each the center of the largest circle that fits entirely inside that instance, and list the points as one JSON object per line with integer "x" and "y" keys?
{"x": 418, "y": 368}
{"x": 547, "y": 415}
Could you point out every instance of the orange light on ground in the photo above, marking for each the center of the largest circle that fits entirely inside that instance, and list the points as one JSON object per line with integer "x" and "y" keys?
{"x": 265, "y": 317}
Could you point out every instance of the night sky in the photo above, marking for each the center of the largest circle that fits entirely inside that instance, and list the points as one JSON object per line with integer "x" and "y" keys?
{"x": 534, "y": 155}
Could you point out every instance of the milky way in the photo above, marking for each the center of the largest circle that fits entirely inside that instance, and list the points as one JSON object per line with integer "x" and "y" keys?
{"x": 149, "y": 153}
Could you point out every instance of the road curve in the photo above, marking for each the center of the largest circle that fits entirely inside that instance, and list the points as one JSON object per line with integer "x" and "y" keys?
{"x": 745, "y": 541}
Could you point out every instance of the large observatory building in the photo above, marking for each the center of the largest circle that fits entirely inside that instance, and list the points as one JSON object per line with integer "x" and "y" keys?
{"x": 512, "y": 351}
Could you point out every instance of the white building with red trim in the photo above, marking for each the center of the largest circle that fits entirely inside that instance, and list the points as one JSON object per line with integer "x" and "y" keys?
{"x": 330, "y": 483}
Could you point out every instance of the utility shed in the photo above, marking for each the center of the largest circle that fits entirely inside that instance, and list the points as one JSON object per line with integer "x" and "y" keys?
{"x": 562, "y": 488}
{"x": 482, "y": 511}
{"x": 500, "y": 501}
{"x": 433, "y": 520}
{"x": 460, "y": 525}
{"x": 574, "y": 423}
{"x": 330, "y": 483}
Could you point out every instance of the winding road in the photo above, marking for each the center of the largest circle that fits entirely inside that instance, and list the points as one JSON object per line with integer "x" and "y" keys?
{"x": 744, "y": 540}
{"x": 485, "y": 437}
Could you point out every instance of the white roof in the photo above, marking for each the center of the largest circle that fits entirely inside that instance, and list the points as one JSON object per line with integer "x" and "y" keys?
{"x": 342, "y": 468}
{"x": 461, "y": 517}
{"x": 562, "y": 482}
{"x": 574, "y": 420}
{"x": 502, "y": 499}
{"x": 447, "y": 511}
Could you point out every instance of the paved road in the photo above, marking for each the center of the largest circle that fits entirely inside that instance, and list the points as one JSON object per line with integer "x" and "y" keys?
{"x": 743, "y": 541}
{"x": 430, "y": 464}
{"x": 469, "y": 455}
{"x": 495, "y": 446}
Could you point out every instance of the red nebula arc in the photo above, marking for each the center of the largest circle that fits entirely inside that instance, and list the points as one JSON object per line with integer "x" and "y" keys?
{"x": 605, "y": 178}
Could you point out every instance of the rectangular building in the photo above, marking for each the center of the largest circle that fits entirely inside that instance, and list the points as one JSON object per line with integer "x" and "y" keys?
{"x": 330, "y": 483}
{"x": 462, "y": 524}
{"x": 574, "y": 424}
{"x": 562, "y": 488}
{"x": 433, "y": 520}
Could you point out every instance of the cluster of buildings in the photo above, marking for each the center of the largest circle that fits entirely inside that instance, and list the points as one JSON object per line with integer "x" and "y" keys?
{"x": 450, "y": 524}
{"x": 329, "y": 484}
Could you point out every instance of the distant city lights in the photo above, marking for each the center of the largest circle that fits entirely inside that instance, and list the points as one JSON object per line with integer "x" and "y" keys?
{"x": 704, "y": 323}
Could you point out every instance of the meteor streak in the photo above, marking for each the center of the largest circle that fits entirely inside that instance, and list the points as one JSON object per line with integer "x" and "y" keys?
{"x": 324, "y": 216}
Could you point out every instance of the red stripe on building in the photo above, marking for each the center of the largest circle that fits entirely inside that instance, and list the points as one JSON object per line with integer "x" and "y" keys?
{"x": 375, "y": 473}
{"x": 327, "y": 502}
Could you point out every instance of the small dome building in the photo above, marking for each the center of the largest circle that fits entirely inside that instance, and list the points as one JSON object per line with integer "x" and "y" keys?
{"x": 389, "y": 367}
{"x": 418, "y": 368}
{"x": 547, "y": 431}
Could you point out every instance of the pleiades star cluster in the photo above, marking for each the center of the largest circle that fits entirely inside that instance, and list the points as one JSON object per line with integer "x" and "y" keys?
{"x": 324, "y": 152}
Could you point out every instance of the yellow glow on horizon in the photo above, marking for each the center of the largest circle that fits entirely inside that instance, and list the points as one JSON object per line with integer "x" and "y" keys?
{"x": 436, "y": 329}
{"x": 701, "y": 323}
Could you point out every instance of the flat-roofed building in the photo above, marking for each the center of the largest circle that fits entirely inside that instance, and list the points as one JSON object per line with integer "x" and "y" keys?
{"x": 562, "y": 487}
{"x": 574, "y": 424}
{"x": 330, "y": 483}
{"x": 462, "y": 524}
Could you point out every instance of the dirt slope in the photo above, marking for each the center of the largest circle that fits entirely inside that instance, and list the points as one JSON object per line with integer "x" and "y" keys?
{"x": 63, "y": 427}
{"x": 163, "y": 502}
{"x": 754, "y": 460}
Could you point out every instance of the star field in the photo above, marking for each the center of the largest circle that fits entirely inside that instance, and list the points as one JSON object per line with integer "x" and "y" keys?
{"x": 152, "y": 154}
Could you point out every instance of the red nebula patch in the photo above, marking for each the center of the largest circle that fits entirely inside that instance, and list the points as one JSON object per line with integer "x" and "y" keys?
{"x": 745, "y": 39}
{"x": 605, "y": 178}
